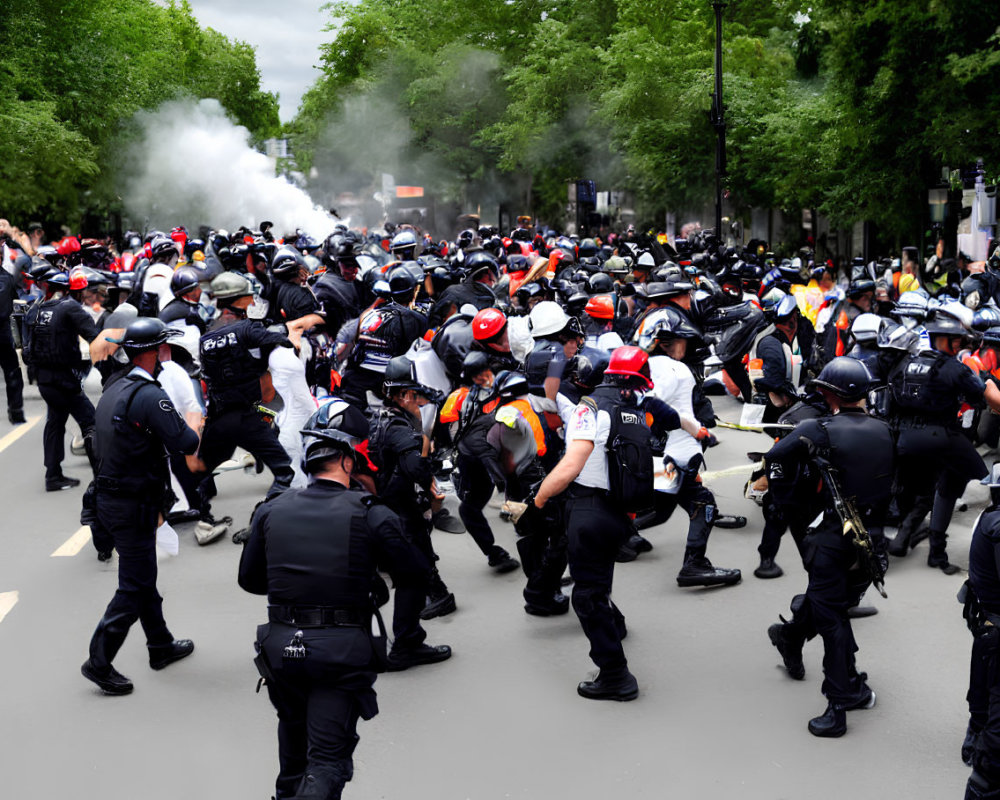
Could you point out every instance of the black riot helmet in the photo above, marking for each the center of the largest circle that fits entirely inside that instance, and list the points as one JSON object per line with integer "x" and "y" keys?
{"x": 401, "y": 374}
{"x": 510, "y": 385}
{"x": 474, "y": 363}
{"x": 184, "y": 280}
{"x": 845, "y": 377}
{"x": 402, "y": 282}
{"x": 335, "y": 427}
{"x": 144, "y": 333}
{"x": 287, "y": 262}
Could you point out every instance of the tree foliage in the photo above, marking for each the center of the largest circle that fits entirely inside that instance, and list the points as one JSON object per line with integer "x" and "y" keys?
{"x": 850, "y": 107}
{"x": 75, "y": 71}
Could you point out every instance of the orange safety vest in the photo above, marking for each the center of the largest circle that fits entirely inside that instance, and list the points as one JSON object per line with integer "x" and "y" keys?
{"x": 843, "y": 327}
{"x": 536, "y": 424}
{"x": 453, "y": 405}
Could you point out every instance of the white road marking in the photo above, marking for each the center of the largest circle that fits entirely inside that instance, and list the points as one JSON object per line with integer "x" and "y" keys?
{"x": 722, "y": 473}
{"x": 17, "y": 433}
{"x": 7, "y": 601}
{"x": 74, "y": 544}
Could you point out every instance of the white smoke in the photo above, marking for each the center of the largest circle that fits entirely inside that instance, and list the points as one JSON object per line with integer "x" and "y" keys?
{"x": 193, "y": 166}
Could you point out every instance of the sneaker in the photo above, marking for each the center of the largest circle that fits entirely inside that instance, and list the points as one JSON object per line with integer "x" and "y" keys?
{"x": 700, "y": 572}
{"x": 60, "y": 483}
{"x": 404, "y": 658}
{"x": 207, "y": 532}
{"x": 111, "y": 681}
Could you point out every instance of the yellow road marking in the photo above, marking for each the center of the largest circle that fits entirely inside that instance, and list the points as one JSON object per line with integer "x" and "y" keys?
{"x": 74, "y": 544}
{"x": 17, "y": 433}
{"x": 7, "y": 601}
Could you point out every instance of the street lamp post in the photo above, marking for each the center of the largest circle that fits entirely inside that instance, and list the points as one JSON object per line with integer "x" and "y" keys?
{"x": 718, "y": 120}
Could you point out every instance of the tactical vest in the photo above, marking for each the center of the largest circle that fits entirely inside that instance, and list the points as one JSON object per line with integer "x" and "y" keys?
{"x": 917, "y": 391}
{"x": 231, "y": 370}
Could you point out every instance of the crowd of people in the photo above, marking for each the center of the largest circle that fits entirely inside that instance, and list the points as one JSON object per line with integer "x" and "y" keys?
{"x": 371, "y": 371}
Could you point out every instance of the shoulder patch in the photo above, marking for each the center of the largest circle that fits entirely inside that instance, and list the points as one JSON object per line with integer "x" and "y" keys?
{"x": 166, "y": 405}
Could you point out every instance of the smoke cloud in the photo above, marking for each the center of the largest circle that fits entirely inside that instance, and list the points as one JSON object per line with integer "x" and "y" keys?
{"x": 191, "y": 165}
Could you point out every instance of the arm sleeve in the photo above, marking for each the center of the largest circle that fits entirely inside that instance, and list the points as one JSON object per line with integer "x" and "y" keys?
{"x": 971, "y": 387}
{"x": 301, "y": 304}
{"x": 412, "y": 464}
{"x": 799, "y": 444}
{"x": 582, "y": 424}
{"x": 252, "y": 575}
{"x": 769, "y": 351}
{"x": 400, "y": 557}
{"x": 82, "y": 322}
{"x": 259, "y": 336}
{"x": 665, "y": 418}
{"x": 160, "y": 416}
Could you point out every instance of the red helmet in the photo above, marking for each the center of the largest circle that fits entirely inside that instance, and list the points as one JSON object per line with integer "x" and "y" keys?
{"x": 488, "y": 324}
{"x": 77, "y": 280}
{"x": 68, "y": 245}
{"x": 631, "y": 362}
{"x": 601, "y": 306}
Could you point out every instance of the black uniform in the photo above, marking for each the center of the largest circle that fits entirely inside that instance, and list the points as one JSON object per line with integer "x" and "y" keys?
{"x": 775, "y": 351}
{"x": 935, "y": 456}
{"x": 546, "y": 360}
{"x": 136, "y": 427}
{"x": 383, "y": 333}
{"x": 860, "y": 449}
{"x": 293, "y": 301}
{"x": 452, "y": 343}
{"x": 314, "y": 553}
{"x": 9, "y": 362}
{"x": 404, "y": 480}
{"x": 233, "y": 359}
{"x": 339, "y": 298}
{"x": 53, "y": 328}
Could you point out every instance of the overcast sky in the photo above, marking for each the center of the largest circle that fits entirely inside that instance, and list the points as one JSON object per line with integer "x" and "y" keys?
{"x": 287, "y": 37}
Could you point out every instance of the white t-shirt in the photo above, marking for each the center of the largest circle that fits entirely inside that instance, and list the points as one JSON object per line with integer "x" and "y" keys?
{"x": 288, "y": 374}
{"x": 177, "y": 384}
{"x": 584, "y": 423}
{"x": 674, "y": 384}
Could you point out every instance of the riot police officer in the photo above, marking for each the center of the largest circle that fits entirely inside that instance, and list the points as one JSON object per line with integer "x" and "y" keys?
{"x": 927, "y": 390}
{"x": 293, "y": 299}
{"x": 596, "y": 522}
{"x": 337, "y": 288}
{"x": 860, "y": 453}
{"x": 54, "y": 326}
{"x": 405, "y": 477}
{"x": 136, "y": 427}
{"x": 981, "y": 749}
{"x": 234, "y": 359}
{"x": 315, "y": 552}
{"x": 9, "y": 363}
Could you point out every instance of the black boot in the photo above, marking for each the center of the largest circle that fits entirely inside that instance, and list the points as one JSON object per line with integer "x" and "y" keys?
{"x": 325, "y": 781}
{"x": 107, "y": 640}
{"x": 790, "y": 649}
{"x": 16, "y": 416}
{"x": 698, "y": 571}
{"x": 552, "y": 605}
{"x": 640, "y": 544}
{"x": 610, "y": 684}
{"x": 161, "y": 656}
{"x": 441, "y": 602}
{"x": 831, "y": 724}
{"x": 768, "y": 569}
{"x": 110, "y": 680}
{"x": 625, "y": 554}
{"x": 401, "y": 658}
{"x": 501, "y": 560}
{"x": 938, "y": 556}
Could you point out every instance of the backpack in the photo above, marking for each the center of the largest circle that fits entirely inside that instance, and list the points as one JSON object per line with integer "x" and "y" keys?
{"x": 630, "y": 457}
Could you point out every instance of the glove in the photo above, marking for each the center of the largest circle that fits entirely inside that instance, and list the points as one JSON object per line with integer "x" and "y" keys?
{"x": 707, "y": 438}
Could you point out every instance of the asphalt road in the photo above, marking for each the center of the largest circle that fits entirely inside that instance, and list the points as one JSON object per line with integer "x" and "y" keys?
{"x": 717, "y": 717}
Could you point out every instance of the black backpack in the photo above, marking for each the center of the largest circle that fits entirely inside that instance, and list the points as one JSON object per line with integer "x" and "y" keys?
{"x": 630, "y": 454}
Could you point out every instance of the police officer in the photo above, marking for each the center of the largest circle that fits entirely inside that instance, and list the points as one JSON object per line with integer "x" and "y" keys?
{"x": 927, "y": 390}
{"x": 337, "y": 288}
{"x": 54, "y": 326}
{"x": 185, "y": 308}
{"x": 315, "y": 553}
{"x": 777, "y": 356}
{"x": 9, "y": 362}
{"x": 234, "y": 359}
{"x": 981, "y": 749}
{"x": 136, "y": 427}
{"x": 597, "y": 525}
{"x": 292, "y": 298}
{"x": 405, "y": 477}
{"x": 860, "y": 450}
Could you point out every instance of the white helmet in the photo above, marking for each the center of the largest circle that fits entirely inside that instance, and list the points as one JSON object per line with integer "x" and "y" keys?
{"x": 547, "y": 318}
{"x": 866, "y": 327}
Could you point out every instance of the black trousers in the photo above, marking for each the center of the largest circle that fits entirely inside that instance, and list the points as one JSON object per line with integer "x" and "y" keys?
{"x": 474, "y": 487}
{"x": 317, "y": 727}
{"x": 242, "y": 427}
{"x": 11, "y": 367}
{"x": 131, "y": 522}
{"x": 833, "y": 588}
{"x": 984, "y": 699}
{"x": 596, "y": 530}
{"x": 776, "y": 521}
{"x": 696, "y": 500}
{"x": 62, "y": 404}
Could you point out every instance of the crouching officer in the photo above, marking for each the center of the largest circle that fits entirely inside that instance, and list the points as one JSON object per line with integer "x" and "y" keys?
{"x": 981, "y": 593}
{"x": 597, "y": 502}
{"x": 860, "y": 454}
{"x": 136, "y": 427}
{"x": 314, "y": 553}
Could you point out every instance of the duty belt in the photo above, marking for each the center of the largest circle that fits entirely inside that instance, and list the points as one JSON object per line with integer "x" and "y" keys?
{"x": 316, "y": 616}
{"x": 578, "y": 491}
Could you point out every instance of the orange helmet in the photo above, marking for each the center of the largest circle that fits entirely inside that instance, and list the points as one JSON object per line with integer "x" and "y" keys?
{"x": 601, "y": 306}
